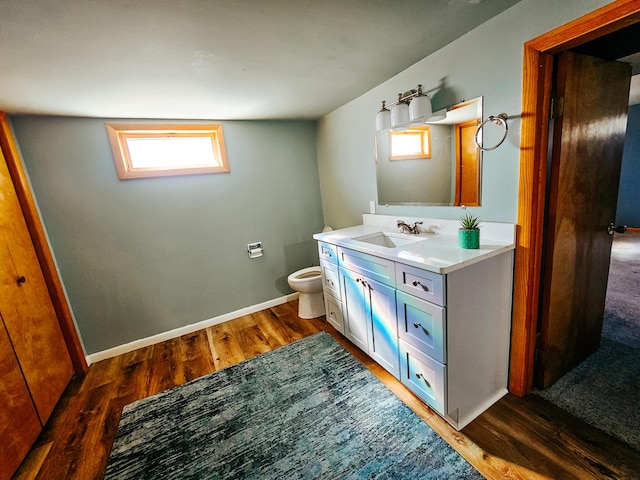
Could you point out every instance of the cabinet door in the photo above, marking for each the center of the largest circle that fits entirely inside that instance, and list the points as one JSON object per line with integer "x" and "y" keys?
{"x": 330, "y": 278}
{"x": 370, "y": 266}
{"x": 19, "y": 424}
{"x": 421, "y": 283}
{"x": 422, "y": 324}
{"x": 333, "y": 309}
{"x": 27, "y": 310}
{"x": 328, "y": 252}
{"x": 354, "y": 308}
{"x": 424, "y": 376}
{"x": 382, "y": 325}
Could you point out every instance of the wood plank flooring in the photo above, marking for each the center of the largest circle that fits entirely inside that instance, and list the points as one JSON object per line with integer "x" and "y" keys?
{"x": 518, "y": 438}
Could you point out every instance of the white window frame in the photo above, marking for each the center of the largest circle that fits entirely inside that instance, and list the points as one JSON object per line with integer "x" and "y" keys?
{"x": 119, "y": 133}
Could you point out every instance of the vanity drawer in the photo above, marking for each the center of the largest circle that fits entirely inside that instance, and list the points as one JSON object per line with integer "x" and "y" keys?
{"x": 422, "y": 325}
{"x": 423, "y": 376}
{"x": 333, "y": 309}
{"x": 328, "y": 252}
{"x": 421, "y": 283}
{"x": 330, "y": 278}
{"x": 375, "y": 268}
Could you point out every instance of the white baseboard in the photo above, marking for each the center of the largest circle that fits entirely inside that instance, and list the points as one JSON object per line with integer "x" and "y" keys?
{"x": 161, "y": 337}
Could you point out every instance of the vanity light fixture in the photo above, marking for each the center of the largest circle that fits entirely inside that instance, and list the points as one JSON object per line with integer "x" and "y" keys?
{"x": 400, "y": 114}
{"x": 420, "y": 107}
{"x": 412, "y": 107}
{"x": 383, "y": 119}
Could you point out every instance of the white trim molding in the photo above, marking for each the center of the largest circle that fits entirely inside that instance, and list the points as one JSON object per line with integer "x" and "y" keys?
{"x": 178, "y": 332}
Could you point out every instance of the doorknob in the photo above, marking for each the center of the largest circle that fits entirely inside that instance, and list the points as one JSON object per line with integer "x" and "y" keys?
{"x": 612, "y": 228}
{"x": 21, "y": 279}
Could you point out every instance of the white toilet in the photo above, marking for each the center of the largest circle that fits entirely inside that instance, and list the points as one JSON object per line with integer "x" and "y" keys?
{"x": 308, "y": 282}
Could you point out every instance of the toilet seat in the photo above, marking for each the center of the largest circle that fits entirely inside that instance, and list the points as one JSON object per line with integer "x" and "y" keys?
{"x": 306, "y": 273}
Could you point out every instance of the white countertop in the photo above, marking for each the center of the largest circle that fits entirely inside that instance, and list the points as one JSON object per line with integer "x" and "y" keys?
{"x": 436, "y": 252}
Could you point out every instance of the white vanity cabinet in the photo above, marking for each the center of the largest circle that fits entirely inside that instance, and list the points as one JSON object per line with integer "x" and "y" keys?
{"x": 435, "y": 316}
{"x": 331, "y": 285}
{"x": 422, "y": 328}
{"x": 454, "y": 346}
{"x": 369, "y": 306}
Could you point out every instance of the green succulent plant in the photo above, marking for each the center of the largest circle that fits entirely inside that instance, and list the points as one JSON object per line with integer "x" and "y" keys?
{"x": 469, "y": 222}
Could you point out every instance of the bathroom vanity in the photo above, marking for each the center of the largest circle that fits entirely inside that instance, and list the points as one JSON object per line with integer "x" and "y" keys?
{"x": 435, "y": 316}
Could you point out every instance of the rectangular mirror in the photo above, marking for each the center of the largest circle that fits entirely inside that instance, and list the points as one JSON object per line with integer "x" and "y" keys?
{"x": 437, "y": 163}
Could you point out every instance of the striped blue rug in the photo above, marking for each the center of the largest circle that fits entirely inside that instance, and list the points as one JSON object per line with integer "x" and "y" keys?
{"x": 306, "y": 410}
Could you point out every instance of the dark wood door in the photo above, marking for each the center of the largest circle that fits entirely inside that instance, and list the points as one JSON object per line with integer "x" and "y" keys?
{"x": 588, "y": 140}
{"x": 27, "y": 309}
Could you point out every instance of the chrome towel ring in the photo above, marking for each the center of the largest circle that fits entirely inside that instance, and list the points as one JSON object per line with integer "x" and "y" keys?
{"x": 500, "y": 119}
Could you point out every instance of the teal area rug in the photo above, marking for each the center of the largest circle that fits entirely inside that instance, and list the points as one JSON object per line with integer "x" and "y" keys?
{"x": 306, "y": 410}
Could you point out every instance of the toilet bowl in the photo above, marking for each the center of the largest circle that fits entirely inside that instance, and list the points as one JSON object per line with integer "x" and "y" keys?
{"x": 308, "y": 282}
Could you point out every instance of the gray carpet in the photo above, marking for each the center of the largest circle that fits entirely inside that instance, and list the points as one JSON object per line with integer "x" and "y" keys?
{"x": 306, "y": 410}
{"x": 604, "y": 390}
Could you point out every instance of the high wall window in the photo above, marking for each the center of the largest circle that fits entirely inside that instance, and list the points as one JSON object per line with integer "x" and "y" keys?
{"x": 152, "y": 150}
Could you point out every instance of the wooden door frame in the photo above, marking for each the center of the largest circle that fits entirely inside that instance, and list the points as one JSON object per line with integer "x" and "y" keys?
{"x": 459, "y": 161}
{"x": 41, "y": 245}
{"x": 534, "y": 138}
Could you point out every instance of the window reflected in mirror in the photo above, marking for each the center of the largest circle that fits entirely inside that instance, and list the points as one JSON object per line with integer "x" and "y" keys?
{"x": 432, "y": 164}
{"x": 414, "y": 143}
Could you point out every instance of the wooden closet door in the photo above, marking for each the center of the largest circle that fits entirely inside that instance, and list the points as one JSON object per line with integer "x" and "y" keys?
{"x": 27, "y": 310}
{"x": 19, "y": 423}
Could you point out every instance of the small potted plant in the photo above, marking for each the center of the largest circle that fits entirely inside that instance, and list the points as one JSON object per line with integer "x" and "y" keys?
{"x": 469, "y": 232}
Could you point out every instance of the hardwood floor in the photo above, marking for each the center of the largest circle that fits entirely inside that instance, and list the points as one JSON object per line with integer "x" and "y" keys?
{"x": 518, "y": 438}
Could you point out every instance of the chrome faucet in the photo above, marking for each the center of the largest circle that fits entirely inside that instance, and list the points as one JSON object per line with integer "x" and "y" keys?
{"x": 404, "y": 228}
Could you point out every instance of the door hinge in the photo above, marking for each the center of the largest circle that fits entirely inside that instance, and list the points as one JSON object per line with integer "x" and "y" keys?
{"x": 557, "y": 107}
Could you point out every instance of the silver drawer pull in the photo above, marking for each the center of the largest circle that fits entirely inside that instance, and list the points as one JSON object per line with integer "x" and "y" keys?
{"x": 417, "y": 325}
{"x": 415, "y": 283}
{"x": 419, "y": 375}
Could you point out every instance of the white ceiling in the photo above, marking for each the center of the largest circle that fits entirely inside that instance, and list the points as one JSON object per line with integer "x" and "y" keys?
{"x": 214, "y": 59}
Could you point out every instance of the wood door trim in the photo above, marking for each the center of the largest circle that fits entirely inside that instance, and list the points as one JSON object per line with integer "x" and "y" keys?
{"x": 536, "y": 89}
{"x": 459, "y": 162}
{"x": 41, "y": 245}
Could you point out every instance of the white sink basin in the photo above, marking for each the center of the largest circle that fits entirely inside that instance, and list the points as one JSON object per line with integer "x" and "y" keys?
{"x": 388, "y": 240}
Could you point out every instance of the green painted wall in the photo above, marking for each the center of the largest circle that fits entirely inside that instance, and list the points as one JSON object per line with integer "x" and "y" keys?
{"x": 486, "y": 62}
{"x": 140, "y": 257}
